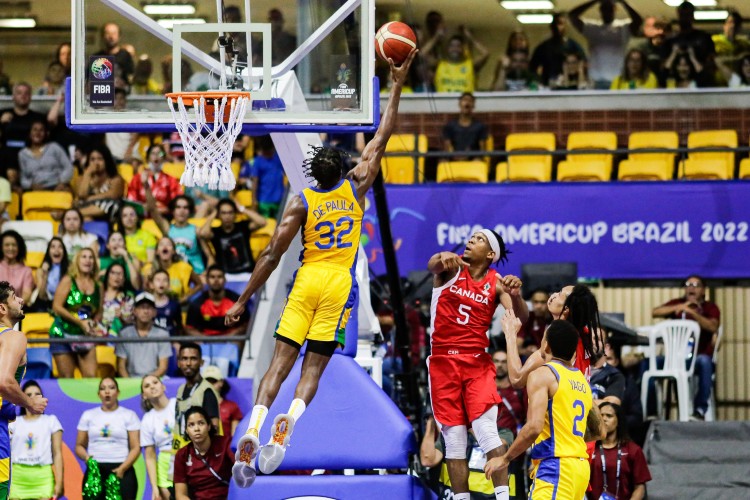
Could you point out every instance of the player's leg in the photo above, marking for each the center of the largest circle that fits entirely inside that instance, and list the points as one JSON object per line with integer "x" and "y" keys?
{"x": 486, "y": 434}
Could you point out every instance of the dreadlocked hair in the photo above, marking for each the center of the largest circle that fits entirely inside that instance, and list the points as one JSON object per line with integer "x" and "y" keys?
{"x": 584, "y": 314}
{"x": 503, "y": 249}
{"x": 324, "y": 165}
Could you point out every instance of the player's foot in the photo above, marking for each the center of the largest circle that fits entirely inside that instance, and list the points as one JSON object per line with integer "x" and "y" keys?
{"x": 273, "y": 453}
{"x": 243, "y": 470}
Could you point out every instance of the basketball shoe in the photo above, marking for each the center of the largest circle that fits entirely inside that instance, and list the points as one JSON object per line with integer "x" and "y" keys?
{"x": 273, "y": 453}
{"x": 243, "y": 470}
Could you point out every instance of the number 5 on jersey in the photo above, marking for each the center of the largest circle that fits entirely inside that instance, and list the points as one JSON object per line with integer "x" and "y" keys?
{"x": 463, "y": 310}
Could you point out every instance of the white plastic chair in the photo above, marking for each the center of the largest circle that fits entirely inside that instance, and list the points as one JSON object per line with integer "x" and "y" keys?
{"x": 679, "y": 361}
{"x": 36, "y": 233}
{"x": 711, "y": 411}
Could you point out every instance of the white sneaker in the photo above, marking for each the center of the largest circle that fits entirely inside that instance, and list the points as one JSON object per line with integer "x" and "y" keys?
{"x": 243, "y": 470}
{"x": 272, "y": 454}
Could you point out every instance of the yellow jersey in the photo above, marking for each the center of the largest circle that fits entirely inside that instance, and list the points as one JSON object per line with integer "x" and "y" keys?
{"x": 455, "y": 76}
{"x": 567, "y": 413}
{"x": 333, "y": 226}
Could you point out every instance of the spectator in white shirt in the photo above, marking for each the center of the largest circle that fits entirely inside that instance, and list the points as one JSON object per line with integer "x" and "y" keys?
{"x": 607, "y": 38}
{"x": 156, "y": 435}
{"x": 73, "y": 234}
{"x": 109, "y": 438}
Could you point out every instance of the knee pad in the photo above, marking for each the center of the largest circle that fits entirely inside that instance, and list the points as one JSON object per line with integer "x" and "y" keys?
{"x": 456, "y": 441}
{"x": 485, "y": 430}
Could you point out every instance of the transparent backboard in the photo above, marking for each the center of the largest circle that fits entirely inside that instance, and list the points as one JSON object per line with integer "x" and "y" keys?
{"x": 310, "y": 62}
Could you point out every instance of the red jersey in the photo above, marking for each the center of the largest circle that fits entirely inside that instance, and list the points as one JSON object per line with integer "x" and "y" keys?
{"x": 582, "y": 361}
{"x": 462, "y": 310}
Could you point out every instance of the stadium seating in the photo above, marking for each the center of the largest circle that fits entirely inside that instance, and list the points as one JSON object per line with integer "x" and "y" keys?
{"x": 489, "y": 145}
{"x": 174, "y": 169}
{"x": 38, "y": 363}
{"x": 260, "y": 238}
{"x": 744, "y": 172}
{"x": 717, "y": 165}
{"x": 244, "y": 197}
{"x": 126, "y": 171}
{"x": 36, "y": 233}
{"x": 36, "y": 326}
{"x": 588, "y": 167}
{"x": 400, "y": 170}
{"x": 14, "y": 208}
{"x": 649, "y": 166}
{"x": 225, "y": 356}
{"x": 107, "y": 361}
{"x": 101, "y": 230}
{"x": 531, "y": 168}
{"x": 462, "y": 171}
{"x": 39, "y": 205}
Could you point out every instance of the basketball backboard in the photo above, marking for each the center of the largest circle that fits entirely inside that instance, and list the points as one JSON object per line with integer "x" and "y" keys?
{"x": 311, "y": 64}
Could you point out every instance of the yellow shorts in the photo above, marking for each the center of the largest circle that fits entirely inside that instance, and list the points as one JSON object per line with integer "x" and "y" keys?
{"x": 560, "y": 479}
{"x": 318, "y": 305}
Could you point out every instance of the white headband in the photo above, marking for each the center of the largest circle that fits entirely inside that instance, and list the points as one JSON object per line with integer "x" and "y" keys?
{"x": 494, "y": 244}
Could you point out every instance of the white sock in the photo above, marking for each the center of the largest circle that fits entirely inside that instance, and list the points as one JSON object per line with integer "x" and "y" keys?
{"x": 257, "y": 417}
{"x": 297, "y": 408}
{"x": 462, "y": 496}
{"x": 502, "y": 493}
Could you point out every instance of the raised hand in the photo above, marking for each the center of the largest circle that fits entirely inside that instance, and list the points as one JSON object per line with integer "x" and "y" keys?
{"x": 511, "y": 284}
{"x": 401, "y": 73}
{"x": 511, "y": 326}
{"x": 451, "y": 262}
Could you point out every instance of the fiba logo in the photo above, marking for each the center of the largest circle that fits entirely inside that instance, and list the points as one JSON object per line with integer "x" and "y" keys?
{"x": 101, "y": 68}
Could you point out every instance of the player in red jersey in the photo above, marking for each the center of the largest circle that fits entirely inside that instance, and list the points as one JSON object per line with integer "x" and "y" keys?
{"x": 465, "y": 294}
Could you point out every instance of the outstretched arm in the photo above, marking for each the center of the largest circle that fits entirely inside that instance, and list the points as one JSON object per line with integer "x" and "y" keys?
{"x": 517, "y": 372}
{"x": 594, "y": 426}
{"x": 575, "y": 14}
{"x": 635, "y": 18}
{"x": 365, "y": 172}
{"x": 291, "y": 222}
{"x": 509, "y": 291}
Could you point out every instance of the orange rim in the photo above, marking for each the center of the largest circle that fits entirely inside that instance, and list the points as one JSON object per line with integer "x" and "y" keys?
{"x": 189, "y": 97}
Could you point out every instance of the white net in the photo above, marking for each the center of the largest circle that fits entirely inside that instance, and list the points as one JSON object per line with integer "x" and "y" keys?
{"x": 208, "y": 145}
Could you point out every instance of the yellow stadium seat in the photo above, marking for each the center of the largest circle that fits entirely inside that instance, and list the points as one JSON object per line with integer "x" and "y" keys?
{"x": 126, "y": 171}
{"x": 106, "y": 361}
{"x": 710, "y": 165}
{"x": 527, "y": 168}
{"x": 34, "y": 260}
{"x": 174, "y": 169}
{"x": 236, "y": 166}
{"x": 745, "y": 169}
{"x": 260, "y": 238}
{"x": 400, "y": 170}
{"x": 462, "y": 171}
{"x": 36, "y": 326}
{"x": 244, "y": 197}
{"x": 14, "y": 209}
{"x": 588, "y": 167}
{"x": 489, "y": 145}
{"x": 39, "y": 205}
{"x": 152, "y": 227}
{"x": 649, "y": 166}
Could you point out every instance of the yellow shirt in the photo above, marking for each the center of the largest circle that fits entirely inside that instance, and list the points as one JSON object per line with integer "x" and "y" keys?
{"x": 620, "y": 83}
{"x": 567, "y": 413}
{"x": 138, "y": 242}
{"x": 179, "y": 277}
{"x": 455, "y": 77}
{"x": 334, "y": 223}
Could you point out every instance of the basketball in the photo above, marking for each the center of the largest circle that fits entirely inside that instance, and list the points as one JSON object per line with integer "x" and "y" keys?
{"x": 394, "y": 40}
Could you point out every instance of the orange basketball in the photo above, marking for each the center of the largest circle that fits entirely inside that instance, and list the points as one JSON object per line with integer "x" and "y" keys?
{"x": 394, "y": 40}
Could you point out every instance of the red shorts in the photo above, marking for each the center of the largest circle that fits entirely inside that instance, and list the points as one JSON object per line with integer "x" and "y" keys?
{"x": 462, "y": 386}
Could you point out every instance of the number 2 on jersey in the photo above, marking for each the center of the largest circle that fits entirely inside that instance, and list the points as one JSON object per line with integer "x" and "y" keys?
{"x": 463, "y": 310}
{"x": 578, "y": 418}
{"x": 330, "y": 234}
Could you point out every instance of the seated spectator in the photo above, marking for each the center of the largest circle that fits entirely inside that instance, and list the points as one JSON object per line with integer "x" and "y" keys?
{"x": 74, "y": 236}
{"x": 118, "y": 254}
{"x": 156, "y": 434}
{"x": 62, "y": 56}
{"x": 683, "y": 70}
{"x": 139, "y": 243}
{"x": 54, "y": 80}
{"x": 516, "y": 76}
{"x": 266, "y": 176}
{"x": 740, "y": 77}
{"x": 77, "y": 308}
{"x": 231, "y": 240}
{"x": 618, "y": 467}
{"x": 465, "y": 56}
{"x": 202, "y": 471}
{"x": 465, "y": 133}
{"x": 694, "y": 306}
{"x": 183, "y": 281}
{"x": 547, "y": 59}
{"x": 655, "y": 33}
{"x": 531, "y": 335}
{"x": 117, "y": 300}
{"x": 15, "y": 126}
{"x": 163, "y": 186}
{"x": 12, "y": 265}
{"x": 731, "y": 44}
{"x": 108, "y": 439}
{"x": 607, "y": 38}
{"x": 206, "y": 313}
{"x": 694, "y": 42}
{"x": 573, "y": 76}
{"x": 635, "y": 73}
{"x": 168, "y": 311}
{"x": 231, "y": 415}
{"x": 48, "y": 276}
{"x": 607, "y": 382}
{"x": 100, "y": 189}
{"x": 138, "y": 359}
{"x": 44, "y": 165}
{"x": 183, "y": 233}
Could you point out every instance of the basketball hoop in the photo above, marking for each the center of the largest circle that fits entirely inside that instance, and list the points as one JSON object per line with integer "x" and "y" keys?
{"x": 208, "y": 124}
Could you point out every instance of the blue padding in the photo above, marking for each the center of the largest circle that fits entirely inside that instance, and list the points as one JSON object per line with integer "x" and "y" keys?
{"x": 38, "y": 363}
{"x": 329, "y": 487}
{"x": 351, "y": 423}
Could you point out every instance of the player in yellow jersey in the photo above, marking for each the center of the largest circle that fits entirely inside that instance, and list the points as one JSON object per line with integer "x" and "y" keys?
{"x": 561, "y": 418}
{"x": 329, "y": 217}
